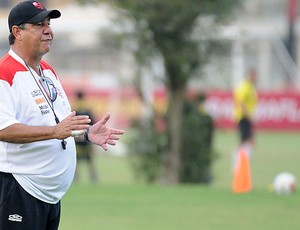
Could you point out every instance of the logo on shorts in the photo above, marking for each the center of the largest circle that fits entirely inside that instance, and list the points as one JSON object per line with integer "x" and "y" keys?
{"x": 15, "y": 217}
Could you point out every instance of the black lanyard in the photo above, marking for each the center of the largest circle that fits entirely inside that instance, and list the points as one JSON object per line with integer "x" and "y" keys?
{"x": 47, "y": 95}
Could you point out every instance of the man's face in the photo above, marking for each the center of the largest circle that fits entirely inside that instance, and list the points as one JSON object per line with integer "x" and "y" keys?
{"x": 38, "y": 37}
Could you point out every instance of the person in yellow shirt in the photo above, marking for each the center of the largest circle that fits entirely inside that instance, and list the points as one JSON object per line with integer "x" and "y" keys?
{"x": 245, "y": 102}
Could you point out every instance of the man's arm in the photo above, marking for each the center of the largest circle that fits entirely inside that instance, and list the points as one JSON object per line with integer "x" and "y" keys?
{"x": 20, "y": 133}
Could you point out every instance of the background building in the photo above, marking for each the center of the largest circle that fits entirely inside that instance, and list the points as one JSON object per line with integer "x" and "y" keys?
{"x": 259, "y": 36}
{"x": 256, "y": 37}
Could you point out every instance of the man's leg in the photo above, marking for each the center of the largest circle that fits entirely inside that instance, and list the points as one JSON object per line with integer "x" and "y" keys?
{"x": 21, "y": 211}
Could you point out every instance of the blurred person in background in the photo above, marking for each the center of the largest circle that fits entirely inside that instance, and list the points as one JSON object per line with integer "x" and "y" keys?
{"x": 37, "y": 127}
{"x": 84, "y": 149}
{"x": 198, "y": 151}
{"x": 244, "y": 105}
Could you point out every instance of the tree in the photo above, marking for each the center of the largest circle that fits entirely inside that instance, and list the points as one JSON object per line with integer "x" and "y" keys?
{"x": 167, "y": 29}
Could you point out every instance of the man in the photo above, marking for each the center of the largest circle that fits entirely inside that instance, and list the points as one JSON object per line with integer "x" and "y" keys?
{"x": 245, "y": 102}
{"x": 84, "y": 149}
{"x": 37, "y": 127}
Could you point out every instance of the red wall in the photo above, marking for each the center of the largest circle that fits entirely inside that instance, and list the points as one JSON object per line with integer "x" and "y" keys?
{"x": 276, "y": 110}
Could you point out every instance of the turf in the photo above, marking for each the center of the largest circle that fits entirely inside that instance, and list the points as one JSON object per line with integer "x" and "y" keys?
{"x": 118, "y": 202}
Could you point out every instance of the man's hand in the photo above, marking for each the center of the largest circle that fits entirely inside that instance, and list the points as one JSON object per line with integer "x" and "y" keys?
{"x": 101, "y": 135}
{"x": 71, "y": 123}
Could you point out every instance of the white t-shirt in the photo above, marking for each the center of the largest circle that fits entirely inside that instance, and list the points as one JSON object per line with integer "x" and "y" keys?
{"x": 42, "y": 168}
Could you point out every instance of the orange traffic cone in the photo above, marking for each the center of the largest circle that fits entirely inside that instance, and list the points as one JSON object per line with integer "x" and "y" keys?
{"x": 242, "y": 176}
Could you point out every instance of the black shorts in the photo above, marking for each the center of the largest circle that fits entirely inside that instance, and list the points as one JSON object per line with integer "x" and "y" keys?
{"x": 245, "y": 129}
{"x": 21, "y": 211}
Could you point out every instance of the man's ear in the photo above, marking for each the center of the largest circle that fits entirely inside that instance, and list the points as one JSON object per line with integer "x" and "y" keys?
{"x": 16, "y": 31}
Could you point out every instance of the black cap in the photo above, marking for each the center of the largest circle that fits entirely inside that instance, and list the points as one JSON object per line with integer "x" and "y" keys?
{"x": 29, "y": 12}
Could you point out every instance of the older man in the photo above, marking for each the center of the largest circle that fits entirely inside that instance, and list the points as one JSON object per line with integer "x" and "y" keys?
{"x": 37, "y": 127}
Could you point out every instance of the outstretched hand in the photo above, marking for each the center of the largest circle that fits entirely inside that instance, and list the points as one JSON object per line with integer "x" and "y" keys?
{"x": 102, "y": 135}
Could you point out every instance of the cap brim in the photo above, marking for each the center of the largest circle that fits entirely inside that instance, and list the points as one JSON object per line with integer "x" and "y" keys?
{"x": 44, "y": 14}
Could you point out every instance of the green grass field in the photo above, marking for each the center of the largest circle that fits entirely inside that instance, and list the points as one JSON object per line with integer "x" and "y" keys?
{"x": 118, "y": 202}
